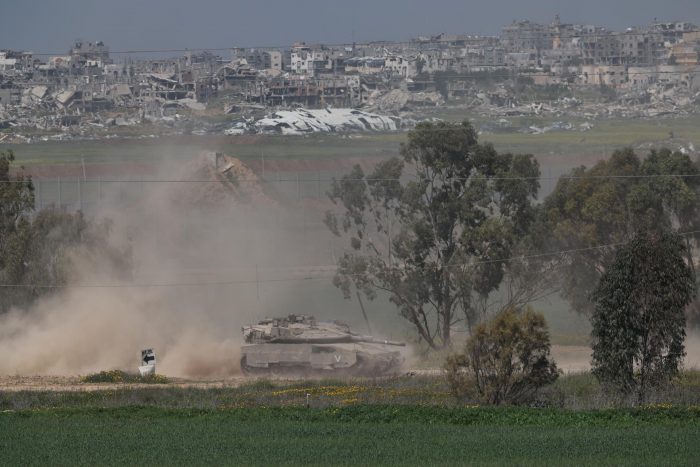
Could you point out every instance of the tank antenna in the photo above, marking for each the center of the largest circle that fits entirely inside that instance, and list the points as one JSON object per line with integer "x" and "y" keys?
{"x": 364, "y": 313}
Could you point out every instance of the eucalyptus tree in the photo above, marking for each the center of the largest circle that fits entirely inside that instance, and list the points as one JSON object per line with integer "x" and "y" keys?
{"x": 433, "y": 229}
{"x": 639, "y": 314}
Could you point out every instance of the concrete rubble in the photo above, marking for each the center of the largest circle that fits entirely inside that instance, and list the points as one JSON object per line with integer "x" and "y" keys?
{"x": 558, "y": 72}
{"x": 652, "y": 102}
{"x": 304, "y": 121}
{"x": 398, "y": 100}
{"x": 235, "y": 182}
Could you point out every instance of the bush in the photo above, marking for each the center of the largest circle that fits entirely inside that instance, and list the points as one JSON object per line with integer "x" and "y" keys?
{"x": 118, "y": 376}
{"x": 504, "y": 361}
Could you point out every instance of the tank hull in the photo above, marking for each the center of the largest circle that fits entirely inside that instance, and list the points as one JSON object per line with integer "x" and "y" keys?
{"x": 319, "y": 359}
{"x": 299, "y": 345}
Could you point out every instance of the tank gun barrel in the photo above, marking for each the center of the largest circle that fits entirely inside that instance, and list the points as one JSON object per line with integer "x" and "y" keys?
{"x": 372, "y": 340}
{"x": 333, "y": 340}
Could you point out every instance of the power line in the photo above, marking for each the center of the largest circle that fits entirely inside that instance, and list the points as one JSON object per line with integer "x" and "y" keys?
{"x": 157, "y": 285}
{"x": 309, "y": 278}
{"x": 520, "y": 74}
{"x": 566, "y": 252}
{"x": 502, "y": 72}
{"x": 551, "y": 253}
{"x": 383, "y": 44}
{"x": 411, "y": 177}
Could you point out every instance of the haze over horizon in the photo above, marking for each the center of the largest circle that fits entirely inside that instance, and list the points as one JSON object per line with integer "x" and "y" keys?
{"x": 51, "y": 27}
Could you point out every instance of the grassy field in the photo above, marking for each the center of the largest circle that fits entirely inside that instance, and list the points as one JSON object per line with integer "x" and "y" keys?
{"x": 174, "y": 148}
{"x": 360, "y": 435}
{"x": 578, "y": 391}
{"x": 389, "y": 421}
{"x": 584, "y": 147}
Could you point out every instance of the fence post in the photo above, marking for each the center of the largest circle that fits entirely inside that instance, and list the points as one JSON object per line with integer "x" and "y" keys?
{"x": 38, "y": 195}
{"x": 80, "y": 195}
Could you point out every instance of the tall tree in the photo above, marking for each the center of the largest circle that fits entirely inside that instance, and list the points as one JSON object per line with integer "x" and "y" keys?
{"x": 16, "y": 197}
{"x": 36, "y": 248}
{"x": 638, "y": 319}
{"x": 607, "y": 204}
{"x": 430, "y": 229}
{"x": 16, "y": 203}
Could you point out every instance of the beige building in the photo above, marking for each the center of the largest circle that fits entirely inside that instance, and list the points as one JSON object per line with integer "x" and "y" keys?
{"x": 607, "y": 75}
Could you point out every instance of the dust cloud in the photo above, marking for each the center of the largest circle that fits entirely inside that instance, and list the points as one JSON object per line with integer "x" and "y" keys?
{"x": 692, "y": 349}
{"x": 207, "y": 259}
{"x": 197, "y": 250}
{"x": 87, "y": 330}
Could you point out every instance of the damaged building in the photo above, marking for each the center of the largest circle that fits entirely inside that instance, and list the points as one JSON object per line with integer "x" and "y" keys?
{"x": 87, "y": 88}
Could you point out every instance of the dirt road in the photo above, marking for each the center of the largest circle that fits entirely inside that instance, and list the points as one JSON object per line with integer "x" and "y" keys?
{"x": 570, "y": 359}
{"x": 72, "y": 383}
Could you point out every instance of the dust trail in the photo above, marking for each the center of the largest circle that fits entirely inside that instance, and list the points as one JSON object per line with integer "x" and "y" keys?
{"x": 180, "y": 233}
{"x": 88, "y": 330}
{"x": 692, "y": 349}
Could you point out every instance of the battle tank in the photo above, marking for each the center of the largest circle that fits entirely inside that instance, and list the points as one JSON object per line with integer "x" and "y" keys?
{"x": 298, "y": 344}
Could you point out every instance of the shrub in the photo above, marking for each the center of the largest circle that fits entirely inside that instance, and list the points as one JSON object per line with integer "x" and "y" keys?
{"x": 118, "y": 376}
{"x": 504, "y": 361}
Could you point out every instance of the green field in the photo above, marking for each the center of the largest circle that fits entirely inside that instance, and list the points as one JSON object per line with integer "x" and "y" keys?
{"x": 399, "y": 421}
{"x": 402, "y": 421}
{"x": 584, "y": 147}
{"x": 180, "y": 148}
{"x": 572, "y": 392}
{"x": 359, "y": 435}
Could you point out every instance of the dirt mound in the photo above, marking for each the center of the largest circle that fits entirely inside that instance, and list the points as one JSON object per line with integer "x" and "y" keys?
{"x": 397, "y": 100}
{"x": 214, "y": 179}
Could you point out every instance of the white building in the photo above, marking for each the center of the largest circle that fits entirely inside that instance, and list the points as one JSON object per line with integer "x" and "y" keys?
{"x": 7, "y": 63}
{"x": 307, "y": 61}
{"x": 396, "y": 65}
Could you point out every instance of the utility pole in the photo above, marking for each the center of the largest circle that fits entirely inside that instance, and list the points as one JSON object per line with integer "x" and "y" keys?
{"x": 257, "y": 282}
{"x": 80, "y": 195}
{"x": 364, "y": 313}
{"x": 38, "y": 194}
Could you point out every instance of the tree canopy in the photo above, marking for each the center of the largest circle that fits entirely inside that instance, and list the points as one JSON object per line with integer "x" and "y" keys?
{"x": 591, "y": 211}
{"x": 37, "y": 248}
{"x": 16, "y": 202}
{"x": 431, "y": 228}
{"x": 638, "y": 319}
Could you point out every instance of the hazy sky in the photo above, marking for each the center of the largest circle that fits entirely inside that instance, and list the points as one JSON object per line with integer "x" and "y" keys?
{"x": 52, "y": 25}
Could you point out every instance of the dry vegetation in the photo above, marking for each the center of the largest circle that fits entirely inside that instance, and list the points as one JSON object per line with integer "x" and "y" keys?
{"x": 570, "y": 392}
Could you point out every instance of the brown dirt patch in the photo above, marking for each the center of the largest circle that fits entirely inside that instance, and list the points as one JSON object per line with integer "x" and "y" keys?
{"x": 72, "y": 383}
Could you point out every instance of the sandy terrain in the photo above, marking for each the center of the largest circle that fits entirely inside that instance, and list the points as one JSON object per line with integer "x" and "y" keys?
{"x": 571, "y": 359}
{"x": 72, "y": 383}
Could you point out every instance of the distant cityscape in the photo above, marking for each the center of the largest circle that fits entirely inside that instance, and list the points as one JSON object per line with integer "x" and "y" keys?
{"x": 88, "y": 86}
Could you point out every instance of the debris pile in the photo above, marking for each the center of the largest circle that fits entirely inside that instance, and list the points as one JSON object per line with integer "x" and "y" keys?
{"x": 398, "y": 100}
{"x": 654, "y": 101}
{"x": 231, "y": 182}
{"x": 328, "y": 120}
{"x": 85, "y": 94}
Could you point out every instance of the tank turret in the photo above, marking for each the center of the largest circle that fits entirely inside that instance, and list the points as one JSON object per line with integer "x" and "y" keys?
{"x": 300, "y": 344}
